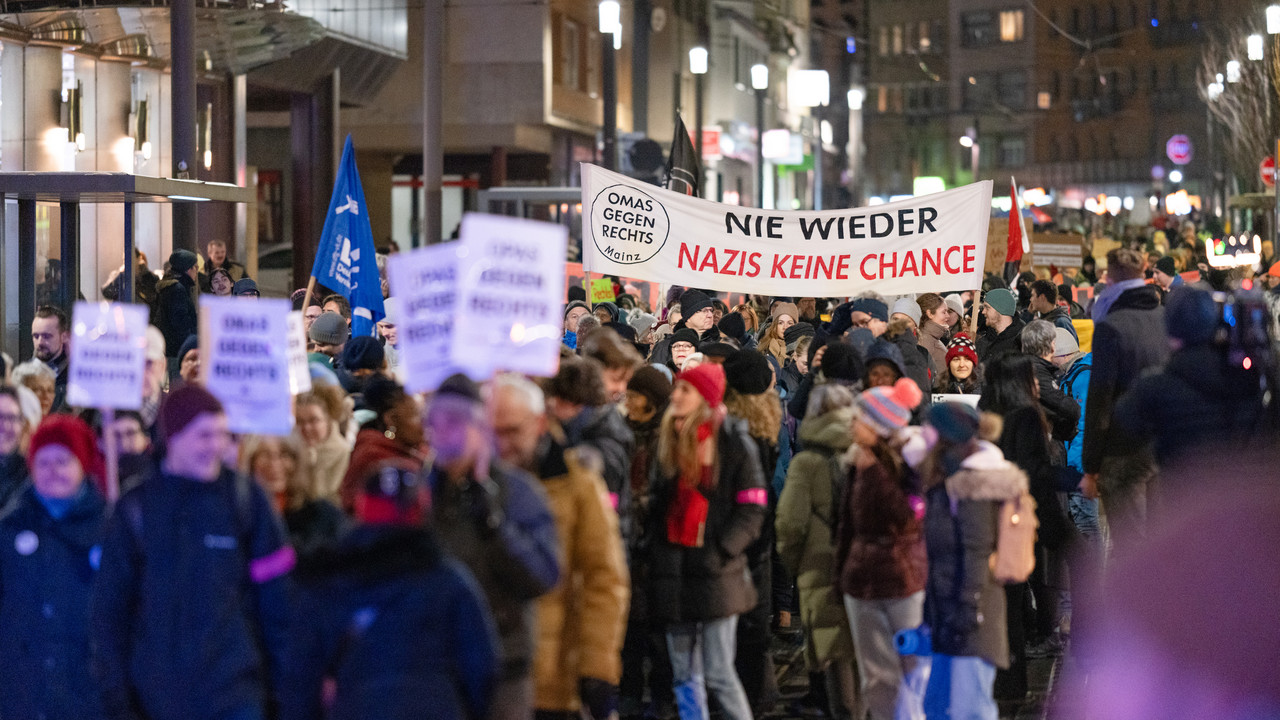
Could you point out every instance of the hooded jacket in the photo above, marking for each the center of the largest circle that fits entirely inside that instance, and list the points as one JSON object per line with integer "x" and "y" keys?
{"x": 47, "y": 569}
{"x": 372, "y": 447}
{"x": 175, "y": 313}
{"x": 581, "y": 622}
{"x": 605, "y": 430}
{"x": 1076, "y": 384}
{"x": 696, "y": 584}
{"x": 190, "y": 610}
{"x": 1198, "y": 403}
{"x": 1061, "y": 318}
{"x": 964, "y": 605}
{"x": 805, "y": 526}
{"x": 402, "y": 631}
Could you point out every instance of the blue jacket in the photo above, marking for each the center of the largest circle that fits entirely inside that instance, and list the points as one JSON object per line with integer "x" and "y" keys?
{"x": 1076, "y": 384}
{"x": 403, "y": 632}
{"x": 47, "y": 568}
{"x": 191, "y": 607}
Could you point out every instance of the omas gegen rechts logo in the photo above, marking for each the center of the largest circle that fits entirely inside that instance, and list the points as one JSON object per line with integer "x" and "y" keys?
{"x": 628, "y": 225}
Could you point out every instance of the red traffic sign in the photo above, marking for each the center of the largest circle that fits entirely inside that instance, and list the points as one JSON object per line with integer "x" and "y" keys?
{"x": 1179, "y": 149}
{"x": 1267, "y": 170}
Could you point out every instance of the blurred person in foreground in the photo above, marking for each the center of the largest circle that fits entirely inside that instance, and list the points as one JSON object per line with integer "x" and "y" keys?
{"x": 581, "y": 621}
{"x": 494, "y": 518}
{"x": 386, "y": 625}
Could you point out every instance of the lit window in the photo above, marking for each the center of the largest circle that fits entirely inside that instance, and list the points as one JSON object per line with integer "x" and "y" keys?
{"x": 882, "y": 99}
{"x": 1010, "y": 25}
{"x": 1042, "y": 100}
{"x": 897, "y": 39}
{"x": 924, "y": 36}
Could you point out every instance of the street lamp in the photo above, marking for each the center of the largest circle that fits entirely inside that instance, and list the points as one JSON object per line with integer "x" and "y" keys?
{"x": 1254, "y": 43}
{"x": 1175, "y": 176}
{"x": 760, "y": 83}
{"x": 698, "y": 66}
{"x": 812, "y": 89}
{"x": 610, "y": 25}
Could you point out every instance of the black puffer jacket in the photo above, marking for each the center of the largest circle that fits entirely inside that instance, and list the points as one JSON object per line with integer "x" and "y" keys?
{"x": 1061, "y": 410}
{"x": 604, "y": 429}
{"x": 47, "y": 568}
{"x": 175, "y": 312}
{"x": 691, "y": 584}
{"x": 993, "y": 345}
{"x": 1025, "y": 443}
{"x": 403, "y": 632}
{"x": 964, "y": 605}
{"x": 919, "y": 366}
{"x": 191, "y": 607}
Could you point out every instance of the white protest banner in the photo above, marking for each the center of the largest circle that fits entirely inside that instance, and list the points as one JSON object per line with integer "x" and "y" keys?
{"x": 633, "y": 229}
{"x": 244, "y": 364}
{"x": 299, "y": 369}
{"x": 108, "y": 357}
{"x": 511, "y": 290}
{"x": 969, "y": 399}
{"x": 425, "y": 285}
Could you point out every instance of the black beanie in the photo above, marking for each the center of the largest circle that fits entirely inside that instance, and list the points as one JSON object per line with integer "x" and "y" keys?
{"x": 653, "y": 384}
{"x": 1167, "y": 266}
{"x": 797, "y": 331}
{"x": 733, "y": 325}
{"x": 578, "y": 293}
{"x": 363, "y": 353}
{"x": 461, "y": 386}
{"x": 748, "y": 372}
{"x": 841, "y": 362}
{"x": 685, "y": 335}
{"x": 191, "y": 343}
{"x": 183, "y": 260}
{"x": 692, "y": 301}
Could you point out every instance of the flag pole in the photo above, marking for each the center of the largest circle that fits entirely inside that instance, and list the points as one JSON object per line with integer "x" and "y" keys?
{"x": 973, "y": 321}
{"x": 306, "y": 298}
{"x": 112, "y": 453}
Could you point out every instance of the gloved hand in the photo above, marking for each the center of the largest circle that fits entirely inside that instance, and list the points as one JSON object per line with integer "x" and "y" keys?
{"x": 841, "y": 319}
{"x": 599, "y": 697}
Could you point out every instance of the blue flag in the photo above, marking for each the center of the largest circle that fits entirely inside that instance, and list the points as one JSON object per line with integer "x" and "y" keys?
{"x": 345, "y": 261}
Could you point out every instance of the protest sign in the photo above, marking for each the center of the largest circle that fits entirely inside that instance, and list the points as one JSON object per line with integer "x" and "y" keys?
{"x": 244, "y": 364}
{"x": 299, "y": 368}
{"x": 425, "y": 284}
{"x": 602, "y": 291}
{"x": 633, "y": 229}
{"x": 108, "y": 356}
{"x": 511, "y": 285}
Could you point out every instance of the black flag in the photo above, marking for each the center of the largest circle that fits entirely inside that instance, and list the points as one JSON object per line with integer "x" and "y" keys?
{"x": 683, "y": 173}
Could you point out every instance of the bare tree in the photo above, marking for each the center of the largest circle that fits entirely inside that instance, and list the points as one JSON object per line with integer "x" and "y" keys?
{"x": 1241, "y": 110}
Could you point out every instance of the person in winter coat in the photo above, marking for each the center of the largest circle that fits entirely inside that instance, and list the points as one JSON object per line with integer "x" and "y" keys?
{"x": 648, "y": 393}
{"x": 805, "y": 527}
{"x": 1062, "y": 412}
{"x": 935, "y": 328}
{"x": 697, "y": 315}
{"x": 578, "y": 401}
{"x": 733, "y": 326}
{"x": 1200, "y": 402}
{"x": 709, "y": 505}
{"x": 581, "y": 622}
{"x": 494, "y": 518}
{"x": 880, "y": 552}
{"x": 393, "y": 626}
{"x": 273, "y": 463}
{"x": 13, "y": 434}
{"x": 1075, "y": 367}
{"x": 1044, "y": 303}
{"x": 751, "y": 396}
{"x": 50, "y": 546}
{"x": 394, "y": 432}
{"x": 325, "y": 452}
{"x": 1012, "y": 393}
{"x": 1000, "y": 309}
{"x": 966, "y": 480}
{"x": 175, "y": 312}
{"x": 963, "y": 373}
{"x": 1129, "y": 338}
{"x": 916, "y": 363}
{"x": 190, "y": 610}
{"x": 782, "y": 317}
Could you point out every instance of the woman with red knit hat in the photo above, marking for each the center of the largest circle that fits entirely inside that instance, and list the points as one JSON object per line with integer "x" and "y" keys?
{"x": 50, "y": 544}
{"x": 708, "y": 507}
{"x": 880, "y": 550}
{"x": 963, "y": 373}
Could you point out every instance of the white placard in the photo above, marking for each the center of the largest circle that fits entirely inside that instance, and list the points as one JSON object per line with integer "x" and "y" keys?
{"x": 244, "y": 364}
{"x": 108, "y": 356}
{"x": 971, "y": 400}
{"x": 425, "y": 285}
{"x": 299, "y": 369}
{"x": 511, "y": 280}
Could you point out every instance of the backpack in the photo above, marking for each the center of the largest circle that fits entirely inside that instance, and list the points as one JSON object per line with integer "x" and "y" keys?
{"x": 1015, "y": 556}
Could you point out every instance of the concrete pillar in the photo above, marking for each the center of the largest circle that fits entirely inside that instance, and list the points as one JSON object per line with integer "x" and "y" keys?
{"x": 314, "y": 139}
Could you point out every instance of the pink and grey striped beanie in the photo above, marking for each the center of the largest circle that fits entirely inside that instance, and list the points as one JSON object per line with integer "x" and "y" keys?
{"x": 888, "y": 409}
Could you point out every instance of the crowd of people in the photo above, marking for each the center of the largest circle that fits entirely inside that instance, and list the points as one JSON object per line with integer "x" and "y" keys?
{"x": 627, "y": 537}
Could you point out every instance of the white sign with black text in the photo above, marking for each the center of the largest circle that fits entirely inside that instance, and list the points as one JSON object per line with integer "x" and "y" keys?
{"x": 424, "y": 283}
{"x": 244, "y": 364}
{"x": 108, "y": 357}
